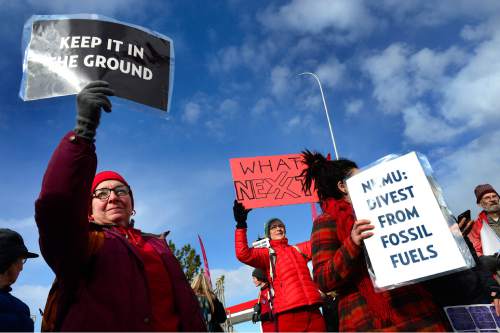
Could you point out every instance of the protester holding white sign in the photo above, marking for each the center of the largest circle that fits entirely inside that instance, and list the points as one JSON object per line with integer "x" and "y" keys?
{"x": 339, "y": 264}
{"x": 412, "y": 240}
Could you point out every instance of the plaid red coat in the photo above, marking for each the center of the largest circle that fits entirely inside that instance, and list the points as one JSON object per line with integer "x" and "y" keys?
{"x": 339, "y": 265}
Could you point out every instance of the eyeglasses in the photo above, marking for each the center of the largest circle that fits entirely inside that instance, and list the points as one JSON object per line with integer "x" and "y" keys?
{"x": 104, "y": 193}
{"x": 24, "y": 260}
{"x": 275, "y": 226}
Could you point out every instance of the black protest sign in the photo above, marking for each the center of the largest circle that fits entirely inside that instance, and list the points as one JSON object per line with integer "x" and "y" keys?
{"x": 63, "y": 55}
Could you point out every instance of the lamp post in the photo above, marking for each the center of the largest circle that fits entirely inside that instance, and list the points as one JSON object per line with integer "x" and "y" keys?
{"x": 326, "y": 111}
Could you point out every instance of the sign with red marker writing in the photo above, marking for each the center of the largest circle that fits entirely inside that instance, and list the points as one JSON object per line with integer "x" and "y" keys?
{"x": 266, "y": 181}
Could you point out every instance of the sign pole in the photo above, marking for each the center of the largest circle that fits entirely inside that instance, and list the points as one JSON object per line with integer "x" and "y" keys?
{"x": 326, "y": 111}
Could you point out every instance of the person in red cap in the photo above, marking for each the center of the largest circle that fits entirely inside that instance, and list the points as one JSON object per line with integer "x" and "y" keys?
{"x": 487, "y": 198}
{"x": 109, "y": 276}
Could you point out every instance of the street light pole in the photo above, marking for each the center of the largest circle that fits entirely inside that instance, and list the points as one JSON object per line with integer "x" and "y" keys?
{"x": 326, "y": 111}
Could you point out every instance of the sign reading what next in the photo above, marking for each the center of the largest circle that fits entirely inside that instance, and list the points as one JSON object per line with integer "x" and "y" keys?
{"x": 266, "y": 181}
{"x": 63, "y": 55}
{"x": 411, "y": 238}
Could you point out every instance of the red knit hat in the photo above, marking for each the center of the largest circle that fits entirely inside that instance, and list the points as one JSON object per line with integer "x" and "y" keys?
{"x": 483, "y": 189}
{"x": 110, "y": 175}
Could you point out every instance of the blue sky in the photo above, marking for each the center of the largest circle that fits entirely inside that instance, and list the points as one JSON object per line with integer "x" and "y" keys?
{"x": 398, "y": 76}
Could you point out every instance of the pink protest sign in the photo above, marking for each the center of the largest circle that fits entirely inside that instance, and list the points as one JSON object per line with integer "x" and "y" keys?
{"x": 266, "y": 181}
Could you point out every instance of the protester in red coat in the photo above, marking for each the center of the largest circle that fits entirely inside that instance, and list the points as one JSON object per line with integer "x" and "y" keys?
{"x": 487, "y": 198}
{"x": 109, "y": 276}
{"x": 339, "y": 264}
{"x": 296, "y": 300}
{"x": 262, "y": 310}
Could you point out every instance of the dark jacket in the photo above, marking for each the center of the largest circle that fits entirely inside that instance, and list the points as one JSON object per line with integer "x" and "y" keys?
{"x": 100, "y": 279}
{"x": 14, "y": 314}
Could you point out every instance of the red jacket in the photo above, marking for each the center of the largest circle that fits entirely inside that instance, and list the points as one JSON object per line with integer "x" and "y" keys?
{"x": 101, "y": 283}
{"x": 475, "y": 233}
{"x": 292, "y": 283}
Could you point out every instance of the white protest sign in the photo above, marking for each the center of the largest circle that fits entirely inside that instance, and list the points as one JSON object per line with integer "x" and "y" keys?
{"x": 411, "y": 238}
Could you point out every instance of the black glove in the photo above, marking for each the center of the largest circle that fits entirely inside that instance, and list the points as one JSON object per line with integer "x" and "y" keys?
{"x": 490, "y": 263}
{"x": 90, "y": 101}
{"x": 240, "y": 215}
{"x": 256, "y": 313}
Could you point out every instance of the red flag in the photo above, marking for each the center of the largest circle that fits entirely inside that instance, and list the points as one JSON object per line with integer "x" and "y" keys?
{"x": 329, "y": 157}
{"x": 205, "y": 261}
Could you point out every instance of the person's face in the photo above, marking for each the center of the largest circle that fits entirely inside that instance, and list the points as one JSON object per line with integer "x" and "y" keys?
{"x": 277, "y": 230}
{"x": 256, "y": 281}
{"x": 116, "y": 209}
{"x": 343, "y": 186}
{"x": 490, "y": 203}
{"x": 14, "y": 270}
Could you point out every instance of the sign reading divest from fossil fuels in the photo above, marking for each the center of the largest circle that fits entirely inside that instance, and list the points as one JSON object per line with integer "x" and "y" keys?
{"x": 266, "y": 181}
{"x": 63, "y": 55}
{"x": 412, "y": 239}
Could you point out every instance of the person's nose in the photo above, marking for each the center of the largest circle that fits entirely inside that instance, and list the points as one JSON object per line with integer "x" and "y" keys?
{"x": 112, "y": 196}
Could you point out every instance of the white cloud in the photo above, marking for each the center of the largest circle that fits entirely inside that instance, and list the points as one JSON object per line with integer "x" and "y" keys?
{"x": 472, "y": 96}
{"x": 354, "y": 107}
{"x": 238, "y": 286}
{"x": 331, "y": 72}
{"x": 254, "y": 54}
{"x": 192, "y": 112}
{"x": 461, "y": 170}
{"x": 262, "y": 106}
{"x": 422, "y": 127}
{"x": 348, "y": 18}
{"x": 387, "y": 71}
{"x": 280, "y": 80}
{"x": 228, "y": 108}
{"x": 109, "y": 7}
{"x": 433, "y": 13}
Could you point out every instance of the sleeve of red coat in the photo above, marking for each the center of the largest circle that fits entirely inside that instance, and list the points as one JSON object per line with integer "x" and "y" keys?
{"x": 333, "y": 261}
{"x": 305, "y": 249}
{"x": 475, "y": 236}
{"x": 61, "y": 210}
{"x": 253, "y": 257}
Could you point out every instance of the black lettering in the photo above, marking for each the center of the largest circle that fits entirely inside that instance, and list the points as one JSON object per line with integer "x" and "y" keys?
{"x": 411, "y": 232}
{"x": 412, "y": 214}
{"x": 402, "y": 235}
{"x": 281, "y": 163}
{"x": 265, "y": 166}
{"x": 244, "y": 190}
{"x": 396, "y": 177}
{"x": 413, "y": 255}
{"x": 394, "y": 260}
{"x": 387, "y": 180}
{"x": 430, "y": 248}
{"x": 424, "y": 258}
{"x": 367, "y": 186}
{"x": 402, "y": 194}
{"x": 245, "y": 169}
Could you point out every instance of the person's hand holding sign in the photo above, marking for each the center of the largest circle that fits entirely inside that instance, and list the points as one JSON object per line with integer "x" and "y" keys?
{"x": 360, "y": 231}
{"x": 90, "y": 101}
{"x": 240, "y": 215}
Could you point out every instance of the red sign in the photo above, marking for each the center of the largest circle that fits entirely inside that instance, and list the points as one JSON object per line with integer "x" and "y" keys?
{"x": 266, "y": 181}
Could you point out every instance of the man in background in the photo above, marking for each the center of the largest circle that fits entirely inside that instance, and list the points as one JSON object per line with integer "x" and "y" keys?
{"x": 14, "y": 314}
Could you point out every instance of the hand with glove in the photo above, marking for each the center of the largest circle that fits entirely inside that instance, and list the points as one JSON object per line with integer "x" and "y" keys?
{"x": 240, "y": 215}
{"x": 256, "y": 313}
{"x": 90, "y": 101}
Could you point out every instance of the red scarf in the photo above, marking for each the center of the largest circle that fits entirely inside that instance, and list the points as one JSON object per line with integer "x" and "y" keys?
{"x": 343, "y": 214}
